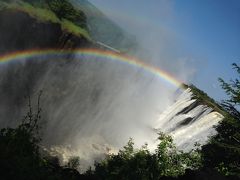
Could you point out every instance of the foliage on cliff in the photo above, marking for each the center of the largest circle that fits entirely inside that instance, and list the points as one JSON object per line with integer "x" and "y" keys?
{"x": 103, "y": 29}
{"x": 204, "y": 99}
{"x": 55, "y": 11}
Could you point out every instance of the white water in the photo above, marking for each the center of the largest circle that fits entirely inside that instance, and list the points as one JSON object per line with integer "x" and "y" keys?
{"x": 93, "y": 107}
{"x": 185, "y": 136}
{"x": 202, "y": 119}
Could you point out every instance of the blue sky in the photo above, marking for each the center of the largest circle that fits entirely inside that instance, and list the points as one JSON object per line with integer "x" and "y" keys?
{"x": 208, "y": 31}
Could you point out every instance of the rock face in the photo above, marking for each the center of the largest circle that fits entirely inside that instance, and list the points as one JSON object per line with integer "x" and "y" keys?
{"x": 19, "y": 31}
{"x": 102, "y": 29}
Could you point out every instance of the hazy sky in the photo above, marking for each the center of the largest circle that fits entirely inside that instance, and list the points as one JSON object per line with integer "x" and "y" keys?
{"x": 207, "y": 32}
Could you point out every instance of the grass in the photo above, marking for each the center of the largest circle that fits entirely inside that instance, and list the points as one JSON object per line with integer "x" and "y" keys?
{"x": 41, "y": 14}
{"x": 74, "y": 29}
{"x": 46, "y": 15}
{"x": 3, "y": 5}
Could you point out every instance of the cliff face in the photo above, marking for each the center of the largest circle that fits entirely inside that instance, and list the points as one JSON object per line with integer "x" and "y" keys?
{"x": 104, "y": 30}
{"x": 19, "y": 31}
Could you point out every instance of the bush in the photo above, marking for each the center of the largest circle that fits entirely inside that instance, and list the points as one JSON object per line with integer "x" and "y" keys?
{"x": 64, "y": 9}
{"x": 131, "y": 163}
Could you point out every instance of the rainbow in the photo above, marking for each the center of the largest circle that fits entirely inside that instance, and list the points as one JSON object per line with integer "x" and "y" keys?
{"x": 108, "y": 55}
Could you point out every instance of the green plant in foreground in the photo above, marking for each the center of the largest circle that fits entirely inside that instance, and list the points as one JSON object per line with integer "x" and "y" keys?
{"x": 131, "y": 163}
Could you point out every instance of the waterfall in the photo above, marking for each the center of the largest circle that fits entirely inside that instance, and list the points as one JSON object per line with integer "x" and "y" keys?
{"x": 92, "y": 107}
{"x": 187, "y": 121}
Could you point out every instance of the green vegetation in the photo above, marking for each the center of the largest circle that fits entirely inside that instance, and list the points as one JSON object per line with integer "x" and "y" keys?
{"x": 21, "y": 156}
{"x": 223, "y": 151}
{"x": 141, "y": 164}
{"x": 204, "y": 99}
{"x": 220, "y": 155}
{"x": 38, "y": 13}
{"x": 54, "y": 11}
{"x": 102, "y": 29}
{"x": 74, "y": 29}
{"x": 64, "y": 9}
